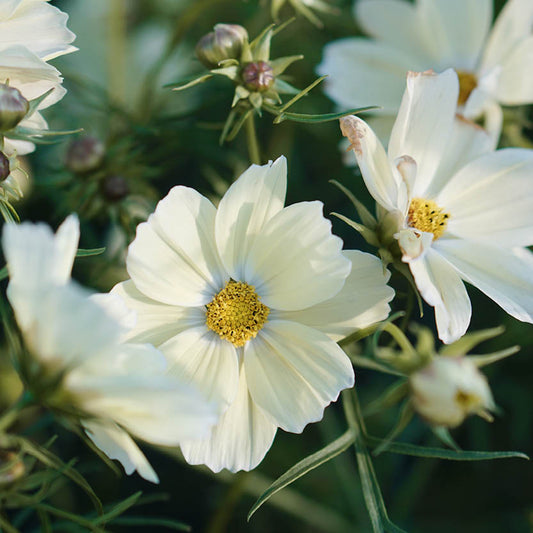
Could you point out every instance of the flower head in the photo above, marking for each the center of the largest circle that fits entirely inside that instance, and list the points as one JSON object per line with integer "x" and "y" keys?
{"x": 457, "y": 210}
{"x": 494, "y": 65}
{"x": 246, "y": 302}
{"x": 78, "y": 363}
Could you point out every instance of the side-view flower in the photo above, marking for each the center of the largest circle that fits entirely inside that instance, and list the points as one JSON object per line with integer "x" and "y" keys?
{"x": 76, "y": 362}
{"x": 458, "y": 210}
{"x": 247, "y": 302}
{"x": 494, "y": 65}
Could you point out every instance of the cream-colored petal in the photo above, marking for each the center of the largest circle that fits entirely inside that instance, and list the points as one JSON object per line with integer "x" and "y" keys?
{"x": 512, "y": 26}
{"x": 156, "y": 322}
{"x": 239, "y": 441}
{"x": 117, "y": 444}
{"x": 34, "y": 122}
{"x": 246, "y": 208}
{"x": 294, "y": 372}
{"x": 504, "y": 275}
{"x": 364, "y": 73}
{"x": 200, "y": 357}
{"x": 384, "y": 185}
{"x": 490, "y": 199}
{"x": 296, "y": 261}
{"x": 424, "y": 124}
{"x": 442, "y": 288}
{"x": 363, "y": 300}
{"x": 454, "y": 31}
{"x": 173, "y": 258}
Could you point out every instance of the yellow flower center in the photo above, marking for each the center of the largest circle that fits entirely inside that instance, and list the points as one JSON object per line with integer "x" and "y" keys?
{"x": 467, "y": 401}
{"x": 426, "y": 215}
{"x": 236, "y": 313}
{"x": 467, "y": 83}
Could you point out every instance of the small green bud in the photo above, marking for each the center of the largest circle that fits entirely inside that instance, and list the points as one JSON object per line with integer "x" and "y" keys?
{"x": 85, "y": 154}
{"x": 258, "y": 76}
{"x": 115, "y": 188}
{"x": 225, "y": 42}
{"x": 13, "y": 107}
{"x": 5, "y": 168}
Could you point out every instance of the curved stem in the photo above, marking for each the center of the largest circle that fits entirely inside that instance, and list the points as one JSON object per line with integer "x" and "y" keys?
{"x": 251, "y": 139}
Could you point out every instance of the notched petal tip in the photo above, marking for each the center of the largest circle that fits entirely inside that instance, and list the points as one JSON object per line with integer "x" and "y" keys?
{"x": 353, "y": 129}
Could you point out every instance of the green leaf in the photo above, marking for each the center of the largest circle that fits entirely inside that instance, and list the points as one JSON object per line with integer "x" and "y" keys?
{"x": 6, "y": 527}
{"x": 371, "y": 364}
{"x": 4, "y": 273}
{"x": 280, "y": 65}
{"x": 364, "y": 214}
{"x": 185, "y": 84}
{"x": 406, "y": 415}
{"x": 60, "y": 513}
{"x": 315, "y": 119}
{"x": 118, "y": 509}
{"x": 36, "y": 102}
{"x": 392, "y": 395}
{"x": 444, "y": 435}
{"x": 146, "y": 522}
{"x": 443, "y": 453}
{"x": 88, "y": 252}
{"x": 367, "y": 234}
{"x": 304, "y": 466}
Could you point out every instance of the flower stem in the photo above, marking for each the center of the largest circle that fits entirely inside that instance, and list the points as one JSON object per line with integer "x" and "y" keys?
{"x": 251, "y": 139}
{"x": 11, "y": 414}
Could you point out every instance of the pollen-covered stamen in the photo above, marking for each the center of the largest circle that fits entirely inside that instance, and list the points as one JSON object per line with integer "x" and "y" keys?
{"x": 236, "y": 313}
{"x": 467, "y": 83}
{"x": 426, "y": 215}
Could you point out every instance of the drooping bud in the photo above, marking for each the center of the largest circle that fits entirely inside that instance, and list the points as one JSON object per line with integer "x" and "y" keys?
{"x": 5, "y": 167}
{"x": 13, "y": 107}
{"x": 449, "y": 389}
{"x": 258, "y": 76}
{"x": 115, "y": 188}
{"x": 85, "y": 154}
{"x": 225, "y": 42}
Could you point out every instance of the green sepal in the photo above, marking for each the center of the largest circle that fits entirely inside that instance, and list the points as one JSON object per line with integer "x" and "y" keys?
{"x": 186, "y": 84}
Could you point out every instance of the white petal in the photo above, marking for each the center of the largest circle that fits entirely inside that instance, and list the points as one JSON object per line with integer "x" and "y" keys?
{"x": 116, "y": 307}
{"x": 503, "y": 275}
{"x": 37, "y": 25}
{"x": 361, "y": 302}
{"x": 442, "y": 288}
{"x": 467, "y": 142}
{"x": 256, "y": 196}
{"x": 364, "y": 73}
{"x": 512, "y": 25}
{"x": 490, "y": 199}
{"x": 375, "y": 166}
{"x": 296, "y": 262}
{"x": 199, "y": 356}
{"x": 515, "y": 83}
{"x": 413, "y": 243}
{"x": 424, "y": 123}
{"x": 394, "y": 22}
{"x": 294, "y": 372}
{"x": 117, "y": 444}
{"x": 38, "y": 259}
{"x": 239, "y": 441}
{"x": 173, "y": 258}
{"x": 12, "y": 146}
{"x": 455, "y": 31}
{"x": 156, "y": 322}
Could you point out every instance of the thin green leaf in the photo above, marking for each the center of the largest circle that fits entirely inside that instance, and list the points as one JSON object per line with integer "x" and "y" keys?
{"x": 139, "y": 521}
{"x": 6, "y": 527}
{"x": 315, "y": 119}
{"x": 443, "y": 453}
{"x": 60, "y": 513}
{"x": 364, "y": 214}
{"x": 443, "y": 434}
{"x": 371, "y": 364}
{"x": 88, "y": 252}
{"x": 367, "y": 234}
{"x": 118, "y": 509}
{"x": 302, "y": 93}
{"x": 304, "y": 466}
{"x": 185, "y": 84}
{"x": 36, "y": 102}
{"x": 484, "y": 360}
{"x": 392, "y": 395}
{"x": 406, "y": 415}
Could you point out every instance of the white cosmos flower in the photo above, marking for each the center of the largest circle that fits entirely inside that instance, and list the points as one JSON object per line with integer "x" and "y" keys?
{"x": 463, "y": 210}
{"x": 76, "y": 341}
{"x": 246, "y": 302}
{"x": 494, "y": 65}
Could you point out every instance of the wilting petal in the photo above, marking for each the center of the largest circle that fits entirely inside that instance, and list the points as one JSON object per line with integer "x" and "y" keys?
{"x": 239, "y": 441}
{"x": 294, "y": 372}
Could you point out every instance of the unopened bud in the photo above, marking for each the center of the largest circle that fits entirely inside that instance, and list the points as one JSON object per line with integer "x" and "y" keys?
{"x": 449, "y": 389}
{"x": 85, "y": 154}
{"x": 13, "y": 107}
{"x": 5, "y": 168}
{"x": 225, "y": 42}
{"x": 115, "y": 188}
{"x": 11, "y": 468}
{"x": 258, "y": 76}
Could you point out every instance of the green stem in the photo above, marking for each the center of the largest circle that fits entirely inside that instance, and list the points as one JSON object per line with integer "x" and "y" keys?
{"x": 11, "y": 414}
{"x": 251, "y": 139}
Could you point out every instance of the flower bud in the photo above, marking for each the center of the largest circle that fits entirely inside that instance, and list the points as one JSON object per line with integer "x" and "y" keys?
{"x": 85, "y": 154}
{"x": 11, "y": 468}
{"x": 5, "y": 167}
{"x": 225, "y": 42}
{"x": 449, "y": 389}
{"x": 13, "y": 107}
{"x": 115, "y": 188}
{"x": 258, "y": 76}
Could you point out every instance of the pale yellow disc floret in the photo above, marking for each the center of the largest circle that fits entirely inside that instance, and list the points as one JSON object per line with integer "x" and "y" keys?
{"x": 467, "y": 83}
{"x": 236, "y": 313}
{"x": 426, "y": 215}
